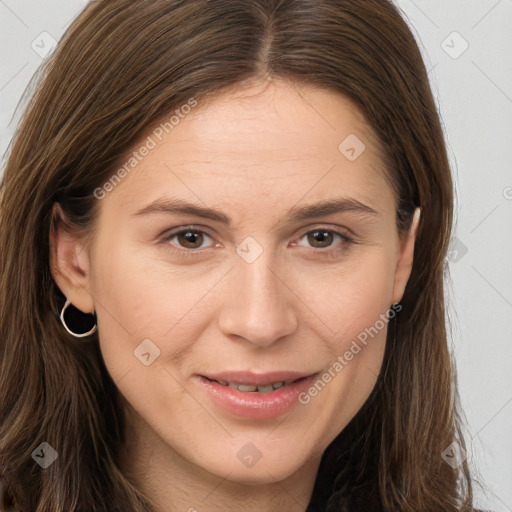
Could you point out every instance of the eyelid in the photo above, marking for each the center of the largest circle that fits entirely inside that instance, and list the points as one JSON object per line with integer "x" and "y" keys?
{"x": 341, "y": 230}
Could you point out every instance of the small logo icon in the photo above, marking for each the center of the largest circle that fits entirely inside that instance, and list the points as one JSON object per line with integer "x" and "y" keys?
{"x": 147, "y": 352}
{"x": 457, "y": 251}
{"x": 454, "y": 45}
{"x": 454, "y": 455}
{"x": 352, "y": 147}
{"x": 44, "y": 455}
{"x": 249, "y": 250}
{"x": 43, "y": 44}
{"x": 249, "y": 455}
{"x": 507, "y": 193}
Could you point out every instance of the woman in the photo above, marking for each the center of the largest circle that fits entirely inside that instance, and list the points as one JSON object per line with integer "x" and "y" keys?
{"x": 223, "y": 235}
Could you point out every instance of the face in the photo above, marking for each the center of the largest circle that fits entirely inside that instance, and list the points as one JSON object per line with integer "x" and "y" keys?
{"x": 243, "y": 322}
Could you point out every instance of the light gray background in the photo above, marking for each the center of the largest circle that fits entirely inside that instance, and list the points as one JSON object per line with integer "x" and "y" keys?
{"x": 474, "y": 95}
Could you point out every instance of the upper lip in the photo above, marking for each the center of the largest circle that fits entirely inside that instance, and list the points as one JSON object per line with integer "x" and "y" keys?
{"x": 257, "y": 379}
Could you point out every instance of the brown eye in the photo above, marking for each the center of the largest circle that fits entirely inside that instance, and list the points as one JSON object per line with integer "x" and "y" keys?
{"x": 320, "y": 238}
{"x": 187, "y": 238}
{"x": 326, "y": 241}
{"x": 190, "y": 239}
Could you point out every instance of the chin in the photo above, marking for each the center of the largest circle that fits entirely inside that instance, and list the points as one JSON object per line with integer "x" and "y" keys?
{"x": 263, "y": 475}
{"x": 259, "y": 471}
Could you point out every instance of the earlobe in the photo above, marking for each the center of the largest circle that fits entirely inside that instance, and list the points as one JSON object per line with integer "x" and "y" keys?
{"x": 69, "y": 263}
{"x": 406, "y": 259}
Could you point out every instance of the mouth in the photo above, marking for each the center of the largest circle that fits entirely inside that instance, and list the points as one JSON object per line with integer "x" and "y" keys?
{"x": 255, "y": 396}
{"x": 255, "y": 388}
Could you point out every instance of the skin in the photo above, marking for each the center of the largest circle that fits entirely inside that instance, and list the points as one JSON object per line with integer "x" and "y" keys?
{"x": 252, "y": 153}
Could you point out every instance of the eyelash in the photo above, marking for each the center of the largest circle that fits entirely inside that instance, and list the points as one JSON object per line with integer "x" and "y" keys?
{"x": 327, "y": 251}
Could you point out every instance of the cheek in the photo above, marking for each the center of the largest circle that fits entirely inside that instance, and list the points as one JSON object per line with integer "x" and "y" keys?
{"x": 354, "y": 314}
{"x": 349, "y": 299}
{"x": 149, "y": 318}
{"x": 140, "y": 298}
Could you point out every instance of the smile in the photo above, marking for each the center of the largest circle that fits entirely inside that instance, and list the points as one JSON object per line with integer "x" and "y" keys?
{"x": 255, "y": 396}
{"x": 253, "y": 388}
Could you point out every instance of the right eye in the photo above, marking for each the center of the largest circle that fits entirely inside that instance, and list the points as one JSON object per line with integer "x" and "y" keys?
{"x": 188, "y": 238}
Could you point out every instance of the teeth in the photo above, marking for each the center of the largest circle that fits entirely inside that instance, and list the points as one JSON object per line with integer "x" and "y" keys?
{"x": 246, "y": 388}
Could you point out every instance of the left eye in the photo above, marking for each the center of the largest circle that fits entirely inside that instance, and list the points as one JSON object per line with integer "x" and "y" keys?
{"x": 324, "y": 238}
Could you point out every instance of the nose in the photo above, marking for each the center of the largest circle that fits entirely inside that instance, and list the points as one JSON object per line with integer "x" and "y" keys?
{"x": 259, "y": 307}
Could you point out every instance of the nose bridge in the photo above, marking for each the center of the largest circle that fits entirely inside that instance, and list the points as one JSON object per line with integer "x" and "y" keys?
{"x": 260, "y": 309}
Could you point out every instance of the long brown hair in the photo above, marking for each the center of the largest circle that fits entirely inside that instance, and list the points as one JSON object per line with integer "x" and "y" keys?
{"x": 119, "y": 68}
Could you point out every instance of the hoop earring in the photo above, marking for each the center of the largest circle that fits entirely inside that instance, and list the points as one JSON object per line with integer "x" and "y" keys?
{"x": 63, "y": 321}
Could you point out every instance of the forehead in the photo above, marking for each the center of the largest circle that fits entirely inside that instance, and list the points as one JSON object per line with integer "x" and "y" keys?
{"x": 281, "y": 121}
{"x": 272, "y": 138}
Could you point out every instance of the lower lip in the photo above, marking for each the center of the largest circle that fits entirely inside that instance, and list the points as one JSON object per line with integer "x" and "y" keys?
{"x": 256, "y": 405}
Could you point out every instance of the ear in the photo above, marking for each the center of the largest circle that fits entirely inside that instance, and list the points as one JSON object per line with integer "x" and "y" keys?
{"x": 406, "y": 258}
{"x": 69, "y": 262}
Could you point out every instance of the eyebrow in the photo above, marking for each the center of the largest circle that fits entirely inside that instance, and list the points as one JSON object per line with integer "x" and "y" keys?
{"x": 297, "y": 213}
